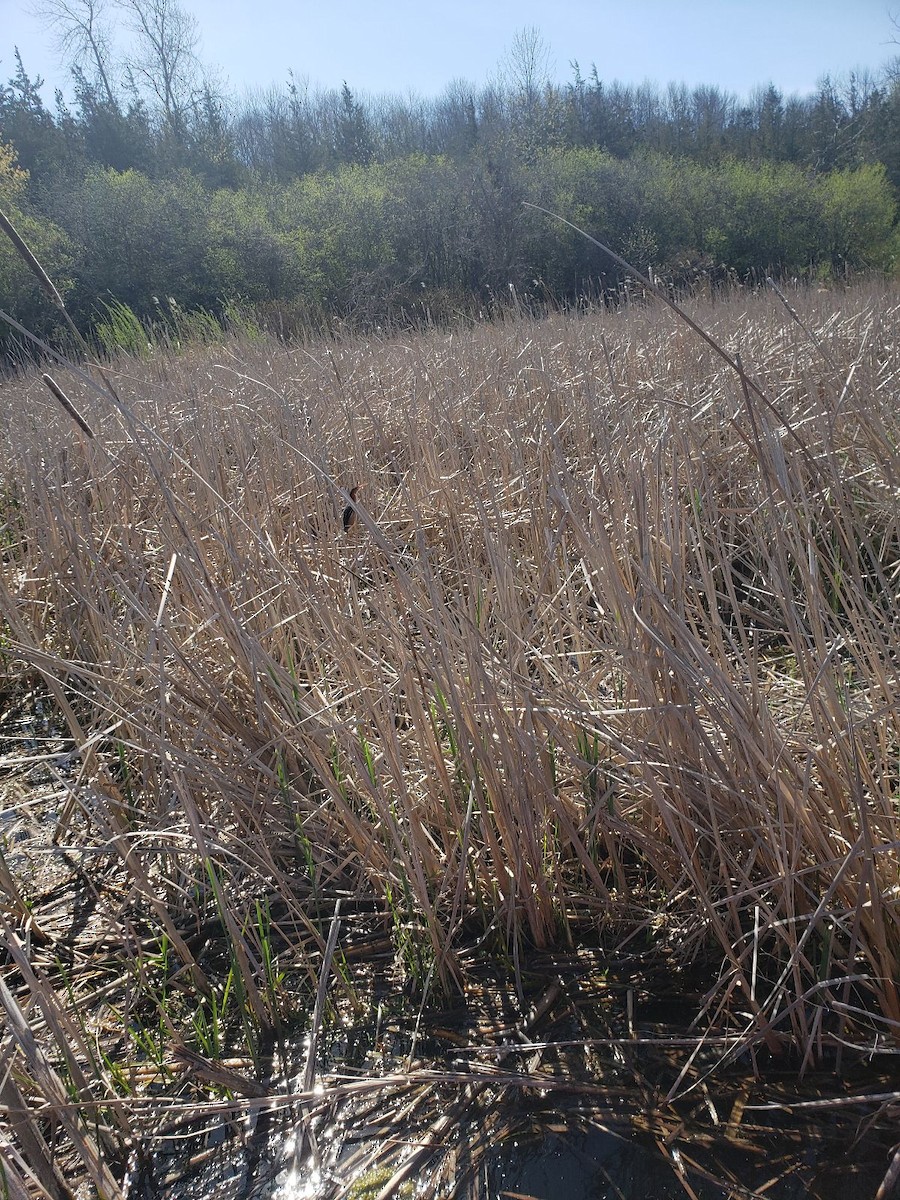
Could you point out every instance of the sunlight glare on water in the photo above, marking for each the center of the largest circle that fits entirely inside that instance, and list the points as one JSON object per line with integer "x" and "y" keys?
{"x": 299, "y": 1182}
{"x": 305, "y": 1180}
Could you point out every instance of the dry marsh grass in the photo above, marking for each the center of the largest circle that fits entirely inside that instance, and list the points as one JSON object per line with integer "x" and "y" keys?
{"x": 609, "y": 657}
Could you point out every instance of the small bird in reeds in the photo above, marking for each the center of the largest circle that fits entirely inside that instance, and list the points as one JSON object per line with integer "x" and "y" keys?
{"x": 351, "y": 516}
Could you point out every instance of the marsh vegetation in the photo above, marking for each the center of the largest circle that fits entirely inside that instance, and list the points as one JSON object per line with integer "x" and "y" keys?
{"x": 583, "y": 736}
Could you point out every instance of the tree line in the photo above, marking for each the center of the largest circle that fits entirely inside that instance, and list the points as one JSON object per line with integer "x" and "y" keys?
{"x": 155, "y": 187}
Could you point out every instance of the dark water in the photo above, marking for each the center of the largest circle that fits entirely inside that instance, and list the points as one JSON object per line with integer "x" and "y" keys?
{"x": 580, "y": 1166}
{"x": 596, "y": 1165}
{"x": 525, "y": 1149}
{"x": 600, "y": 1130}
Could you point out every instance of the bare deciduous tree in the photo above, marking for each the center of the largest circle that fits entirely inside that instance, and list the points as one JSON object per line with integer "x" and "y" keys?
{"x": 165, "y": 59}
{"x": 527, "y": 65}
{"x": 82, "y": 37}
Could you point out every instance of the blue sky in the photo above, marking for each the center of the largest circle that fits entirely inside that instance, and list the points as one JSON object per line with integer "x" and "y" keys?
{"x": 403, "y": 45}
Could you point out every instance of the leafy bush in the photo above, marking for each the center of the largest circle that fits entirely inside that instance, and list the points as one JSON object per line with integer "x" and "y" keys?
{"x": 20, "y": 292}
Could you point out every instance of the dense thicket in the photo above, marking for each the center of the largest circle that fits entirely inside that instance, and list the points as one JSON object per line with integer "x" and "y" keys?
{"x": 315, "y": 203}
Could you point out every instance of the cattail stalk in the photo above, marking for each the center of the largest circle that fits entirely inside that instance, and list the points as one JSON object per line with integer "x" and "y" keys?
{"x": 68, "y": 405}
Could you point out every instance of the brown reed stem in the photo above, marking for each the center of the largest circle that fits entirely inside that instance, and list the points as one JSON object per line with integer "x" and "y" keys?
{"x": 68, "y": 405}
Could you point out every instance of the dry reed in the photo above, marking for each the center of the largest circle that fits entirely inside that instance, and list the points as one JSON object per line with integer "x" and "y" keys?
{"x": 609, "y": 657}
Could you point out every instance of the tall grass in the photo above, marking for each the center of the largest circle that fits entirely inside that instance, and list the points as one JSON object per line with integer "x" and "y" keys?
{"x": 610, "y": 654}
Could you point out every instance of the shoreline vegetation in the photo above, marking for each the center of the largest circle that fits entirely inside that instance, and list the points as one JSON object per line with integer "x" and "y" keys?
{"x": 160, "y": 198}
{"x": 426, "y": 241}
{"x": 605, "y": 669}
